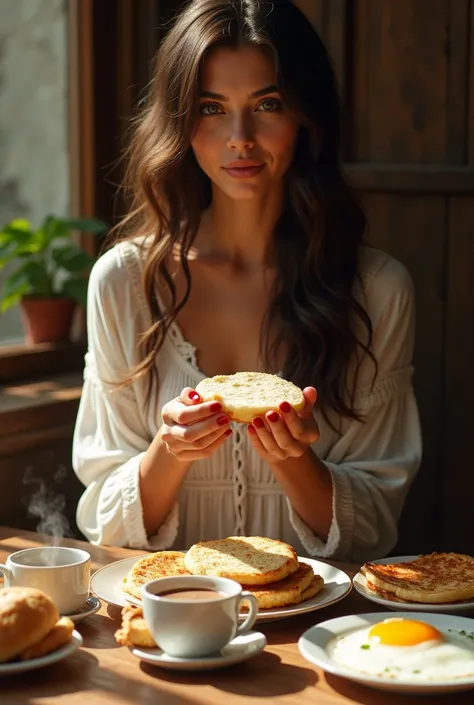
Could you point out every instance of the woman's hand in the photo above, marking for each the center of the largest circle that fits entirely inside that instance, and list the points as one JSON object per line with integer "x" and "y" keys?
{"x": 288, "y": 434}
{"x": 191, "y": 429}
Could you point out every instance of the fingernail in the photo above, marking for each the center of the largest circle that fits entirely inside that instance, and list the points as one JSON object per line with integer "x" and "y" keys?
{"x": 222, "y": 420}
{"x": 273, "y": 416}
{"x": 251, "y": 429}
{"x": 194, "y": 396}
{"x": 228, "y": 432}
{"x": 258, "y": 423}
{"x": 215, "y": 407}
{"x": 285, "y": 407}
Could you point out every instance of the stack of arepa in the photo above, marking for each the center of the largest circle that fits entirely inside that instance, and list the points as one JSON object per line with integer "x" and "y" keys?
{"x": 267, "y": 568}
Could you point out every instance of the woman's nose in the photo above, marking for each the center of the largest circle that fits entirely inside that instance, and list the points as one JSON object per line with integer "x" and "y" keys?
{"x": 241, "y": 135}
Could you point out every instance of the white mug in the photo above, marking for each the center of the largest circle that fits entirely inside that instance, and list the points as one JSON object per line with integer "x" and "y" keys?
{"x": 195, "y": 628}
{"x": 62, "y": 573}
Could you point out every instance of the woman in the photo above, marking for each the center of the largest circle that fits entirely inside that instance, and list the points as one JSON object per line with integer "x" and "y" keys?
{"x": 243, "y": 252}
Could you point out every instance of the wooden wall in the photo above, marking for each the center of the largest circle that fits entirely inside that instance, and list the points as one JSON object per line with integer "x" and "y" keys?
{"x": 406, "y": 71}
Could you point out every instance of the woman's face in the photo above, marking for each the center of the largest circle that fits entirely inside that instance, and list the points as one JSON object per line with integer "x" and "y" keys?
{"x": 245, "y": 137}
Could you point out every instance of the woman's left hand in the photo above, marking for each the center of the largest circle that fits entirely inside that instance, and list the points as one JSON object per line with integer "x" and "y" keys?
{"x": 287, "y": 434}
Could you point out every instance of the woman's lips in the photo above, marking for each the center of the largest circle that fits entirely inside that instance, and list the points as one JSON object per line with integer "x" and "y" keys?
{"x": 244, "y": 171}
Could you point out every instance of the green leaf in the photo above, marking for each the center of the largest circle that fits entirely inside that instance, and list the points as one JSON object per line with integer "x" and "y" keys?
{"x": 86, "y": 225}
{"x": 9, "y": 300}
{"x": 72, "y": 258}
{"x": 76, "y": 289}
{"x": 34, "y": 276}
{"x": 21, "y": 224}
{"x": 16, "y": 235}
{"x": 53, "y": 228}
{"x": 8, "y": 252}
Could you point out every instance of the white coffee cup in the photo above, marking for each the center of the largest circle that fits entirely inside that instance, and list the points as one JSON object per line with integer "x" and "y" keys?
{"x": 189, "y": 628}
{"x": 62, "y": 573}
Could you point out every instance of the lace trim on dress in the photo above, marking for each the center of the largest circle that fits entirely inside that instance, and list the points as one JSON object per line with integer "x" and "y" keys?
{"x": 186, "y": 350}
{"x": 239, "y": 480}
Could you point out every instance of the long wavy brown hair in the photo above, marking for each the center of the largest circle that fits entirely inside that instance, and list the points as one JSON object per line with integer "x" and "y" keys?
{"x": 317, "y": 238}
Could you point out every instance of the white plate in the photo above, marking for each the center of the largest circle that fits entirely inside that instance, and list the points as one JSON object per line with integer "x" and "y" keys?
{"x": 360, "y": 585}
{"x": 89, "y": 608}
{"x": 240, "y": 649}
{"x": 7, "y": 669}
{"x": 106, "y": 583}
{"x": 313, "y": 646}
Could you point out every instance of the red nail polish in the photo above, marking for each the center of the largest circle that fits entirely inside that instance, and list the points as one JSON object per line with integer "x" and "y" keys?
{"x": 228, "y": 432}
{"x": 194, "y": 396}
{"x": 258, "y": 423}
{"x": 285, "y": 407}
{"x": 273, "y": 416}
{"x": 251, "y": 429}
{"x": 222, "y": 420}
{"x": 215, "y": 407}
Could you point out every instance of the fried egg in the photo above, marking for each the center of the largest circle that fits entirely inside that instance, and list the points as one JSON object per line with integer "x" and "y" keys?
{"x": 406, "y": 649}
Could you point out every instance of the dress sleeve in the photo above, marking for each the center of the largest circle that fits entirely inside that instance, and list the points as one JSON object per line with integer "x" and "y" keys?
{"x": 110, "y": 437}
{"x": 374, "y": 461}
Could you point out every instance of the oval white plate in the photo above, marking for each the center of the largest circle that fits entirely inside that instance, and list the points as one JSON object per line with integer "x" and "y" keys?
{"x": 313, "y": 646}
{"x": 7, "y": 669}
{"x": 106, "y": 583}
{"x": 240, "y": 649}
{"x": 360, "y": 585}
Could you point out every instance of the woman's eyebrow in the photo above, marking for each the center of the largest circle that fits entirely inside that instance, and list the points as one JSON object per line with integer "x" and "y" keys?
{"x": 257, "y": 94}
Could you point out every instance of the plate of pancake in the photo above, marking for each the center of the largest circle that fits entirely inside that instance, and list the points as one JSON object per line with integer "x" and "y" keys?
{"x": 283, "y": 583}
{"x": 435, "y": 582}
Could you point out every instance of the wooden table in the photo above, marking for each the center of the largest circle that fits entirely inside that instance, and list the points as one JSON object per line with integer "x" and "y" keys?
{"x": 103, "y": 673}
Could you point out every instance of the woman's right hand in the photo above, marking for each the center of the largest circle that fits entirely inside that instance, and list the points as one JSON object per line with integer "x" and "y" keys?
{"x": 192, "y": 429}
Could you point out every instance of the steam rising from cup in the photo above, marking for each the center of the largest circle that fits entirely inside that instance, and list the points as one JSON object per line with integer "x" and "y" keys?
{"x": 48, "y": 507}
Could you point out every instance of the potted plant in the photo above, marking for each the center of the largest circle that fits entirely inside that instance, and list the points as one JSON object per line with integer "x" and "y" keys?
{"x": 50, "y": 278}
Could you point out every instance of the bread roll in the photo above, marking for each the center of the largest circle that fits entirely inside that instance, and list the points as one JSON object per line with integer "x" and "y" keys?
{"x": 245, "y": 395}
{"x": 27, "y": 615}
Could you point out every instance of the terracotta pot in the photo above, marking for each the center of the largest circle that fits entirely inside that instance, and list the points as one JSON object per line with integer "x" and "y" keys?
{"x": 47, "y": 320}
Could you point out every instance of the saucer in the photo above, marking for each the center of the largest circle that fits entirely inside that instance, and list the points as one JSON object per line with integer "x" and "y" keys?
{"x": 90, "y": 607}
{"x": 239, "y": 649}
{"x": 12, "y": 667}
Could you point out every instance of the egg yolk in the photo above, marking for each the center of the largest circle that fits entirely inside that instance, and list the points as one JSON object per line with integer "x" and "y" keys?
{"x": 404, "y": 632}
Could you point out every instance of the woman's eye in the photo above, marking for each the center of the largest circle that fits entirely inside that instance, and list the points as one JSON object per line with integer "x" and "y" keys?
{"x": 210, "y": 109}
{"x": 269, "y": 105}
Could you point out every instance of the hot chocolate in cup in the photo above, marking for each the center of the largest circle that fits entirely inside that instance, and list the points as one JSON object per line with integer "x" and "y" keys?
{"x": 193, "y": 616}
{"x": 62, "y": 573}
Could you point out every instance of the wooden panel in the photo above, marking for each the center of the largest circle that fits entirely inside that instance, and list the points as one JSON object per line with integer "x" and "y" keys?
{"x": 412, "y": 230}
{"x": 458, "y": 435}
{"x": 410, "y": 178}
{"x": 470, "y": 89}
{"x": 81, "y": 114}
{"x": 410, "y": 65}
{"x": 45, "y": 472}
{"x": 19, "y": 361}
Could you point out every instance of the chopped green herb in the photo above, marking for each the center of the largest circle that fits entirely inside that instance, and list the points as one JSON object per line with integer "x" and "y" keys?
{"x": 386, "y": 670}
{"x": 365, "y": 646}
{"x": 416, "y": 671}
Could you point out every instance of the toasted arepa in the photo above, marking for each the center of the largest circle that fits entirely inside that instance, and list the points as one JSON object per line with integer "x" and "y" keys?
{"x": 430, "y": 579}
{"x": 250, "y": 560}
{"x": 162, "y": 564}
{"x": 314, "y": 589}
{"x": 284, "y": 592}
{"x": 245, "y": 395}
